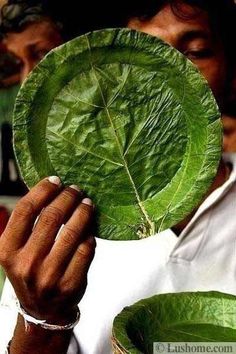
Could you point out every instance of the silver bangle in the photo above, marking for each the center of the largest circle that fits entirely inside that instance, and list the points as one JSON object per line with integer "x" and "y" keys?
{"x": 43, "y": 324}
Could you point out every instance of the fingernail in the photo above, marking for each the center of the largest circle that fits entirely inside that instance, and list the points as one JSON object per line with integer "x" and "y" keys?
{"x": 55, "y": 180}
{"x": 87, "y": 201}
{"x": 77, "y": 188}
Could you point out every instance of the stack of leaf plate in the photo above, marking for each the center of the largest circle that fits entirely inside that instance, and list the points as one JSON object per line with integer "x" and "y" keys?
{"x": 181, "y": 317}
{"x": 130, "y": 120}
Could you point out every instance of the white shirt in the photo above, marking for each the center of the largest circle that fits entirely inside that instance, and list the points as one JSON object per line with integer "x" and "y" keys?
{"x": 202, "y": 258}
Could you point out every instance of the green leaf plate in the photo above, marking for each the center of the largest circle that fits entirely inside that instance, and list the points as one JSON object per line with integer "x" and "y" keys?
{"x": 130, "y": 120}
{"x": 179, "y": 317}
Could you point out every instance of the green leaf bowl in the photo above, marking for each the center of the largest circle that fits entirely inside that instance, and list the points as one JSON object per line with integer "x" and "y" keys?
{"x": 177, "y": 317}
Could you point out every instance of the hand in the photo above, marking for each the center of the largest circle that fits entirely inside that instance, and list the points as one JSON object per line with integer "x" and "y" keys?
{"x": 49, "y": 274}
{"x": 3, "y": 219}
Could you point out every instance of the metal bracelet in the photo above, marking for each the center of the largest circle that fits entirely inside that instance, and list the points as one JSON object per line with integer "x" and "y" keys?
{"x": 43, "y": 324}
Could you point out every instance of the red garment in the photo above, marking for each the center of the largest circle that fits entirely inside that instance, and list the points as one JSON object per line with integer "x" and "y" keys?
{"x": 4, "y": 216}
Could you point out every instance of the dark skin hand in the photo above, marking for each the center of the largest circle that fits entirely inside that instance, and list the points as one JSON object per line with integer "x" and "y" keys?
{"x": 49, "y": 276}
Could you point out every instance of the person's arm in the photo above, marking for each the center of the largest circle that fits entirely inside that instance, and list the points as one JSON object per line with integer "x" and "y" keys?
{"x": 38, "y": 340}
{"x": 49, "y": 274}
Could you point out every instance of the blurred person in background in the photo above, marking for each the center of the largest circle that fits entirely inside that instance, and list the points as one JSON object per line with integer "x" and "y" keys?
{"x": 28, "y": 33}
{"x": 229, "y": 124}
{"x": 229, "y": 115}
{"x": 10, "y": 182}
{"x": 9, "y": 67}
{"x": 31, "y": 28}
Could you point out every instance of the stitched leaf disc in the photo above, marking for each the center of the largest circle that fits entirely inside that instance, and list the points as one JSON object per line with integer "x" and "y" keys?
{"x": 127, "y": 118}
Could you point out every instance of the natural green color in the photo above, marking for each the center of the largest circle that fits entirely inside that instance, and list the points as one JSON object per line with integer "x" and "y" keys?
{"x": 129, "y": 119}
{"x": 179, "y": 317}
{"x": 7, "y": 100}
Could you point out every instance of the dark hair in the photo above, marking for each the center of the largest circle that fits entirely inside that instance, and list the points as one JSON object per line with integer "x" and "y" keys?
{"x": 16, "y": 14}
{"x": 148, "y": 8}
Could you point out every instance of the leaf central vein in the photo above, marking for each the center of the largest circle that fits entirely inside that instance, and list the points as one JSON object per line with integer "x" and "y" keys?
{"x": 143, "y": 210}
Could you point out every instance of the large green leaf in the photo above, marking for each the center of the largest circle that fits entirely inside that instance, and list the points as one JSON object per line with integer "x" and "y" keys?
{"x": 129, "y": 119}
{"x": 179, "y": 317}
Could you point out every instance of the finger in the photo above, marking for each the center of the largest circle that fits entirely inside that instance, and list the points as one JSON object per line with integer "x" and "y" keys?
{"x": 71, "y": 235}
{"x": 27, "y": 209}
{"x": 76, "y": 272}
{"x": 51, "y": 219}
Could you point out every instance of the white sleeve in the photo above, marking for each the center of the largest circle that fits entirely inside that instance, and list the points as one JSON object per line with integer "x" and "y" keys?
{"x": 8, "y": 315}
